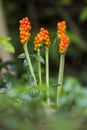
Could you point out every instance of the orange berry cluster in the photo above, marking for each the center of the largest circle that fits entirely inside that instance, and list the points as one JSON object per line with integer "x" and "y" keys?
{"x": 64, "y": 39}
{"x": 24, "y": 30}
{"x": 42, "y": 38}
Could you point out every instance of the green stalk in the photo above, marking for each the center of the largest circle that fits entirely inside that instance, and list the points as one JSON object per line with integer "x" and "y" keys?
{"x": 60, "y": 78}
{"x": 29, "y": 63}
{"x": 39, "y": 67}
{"x": 47, "y": 73}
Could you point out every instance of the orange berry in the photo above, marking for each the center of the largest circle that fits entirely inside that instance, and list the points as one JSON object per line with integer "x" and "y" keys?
{"x": 42, "y": 37}
{"x": 64, "y": 39}
{"x": 24, "y": 30}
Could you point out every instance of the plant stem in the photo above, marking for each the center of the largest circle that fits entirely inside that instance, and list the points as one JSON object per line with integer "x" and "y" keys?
{"x": 39, "y": 67}
{"x": 47, "y": 73}
{"x": 60, "y": 78}
{"x": 29, "y": 63}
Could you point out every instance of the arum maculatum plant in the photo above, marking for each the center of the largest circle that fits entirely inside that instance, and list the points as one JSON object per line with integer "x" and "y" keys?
{"x": 63, "y": 45}
{"x": 42, "y": 39}
{"x": 25, "y": 27}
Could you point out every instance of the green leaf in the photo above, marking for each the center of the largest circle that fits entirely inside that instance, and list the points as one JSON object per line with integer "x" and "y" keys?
{"x": 25, "y": 63}
{"x": 83, "y": 15}
{"x": 72, "y": 84}
{"x": 40, "y": 59}
{"x": 13, "y": 92}
{"x": 22, "y": 56}
{"x": 5, "y": 43}
{"x": 2, "y": 90}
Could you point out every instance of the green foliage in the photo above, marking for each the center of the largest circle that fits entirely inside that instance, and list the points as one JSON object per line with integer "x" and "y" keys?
{"x": 40, "y": 59}
{"x": 74, "y": 96}
{"x": 23, "y": 107}
{"x": 83, "y": 15}
{"x": 7, "y": 76}
{"x": 22, "y": 56}
{"x": 33, "y": 57}
{"x": 5, "y": 43}
{"x": 66, "y": 2}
